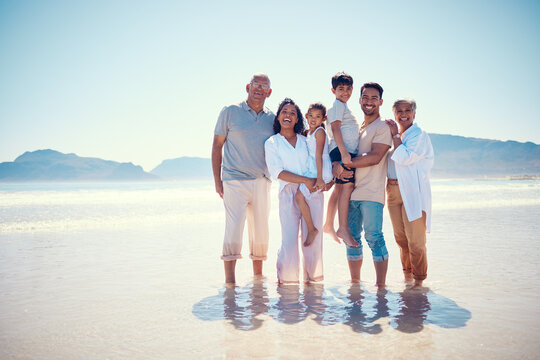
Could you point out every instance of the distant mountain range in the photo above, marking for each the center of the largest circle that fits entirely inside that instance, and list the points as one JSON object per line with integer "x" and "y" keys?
{"x": 455, "y": 156}
{"x": 51, "y": 165}
{"x": 458, "y": 156}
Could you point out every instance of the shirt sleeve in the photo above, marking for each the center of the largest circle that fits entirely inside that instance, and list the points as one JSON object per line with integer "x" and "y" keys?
{"x": 413, "y": 149}
{"x": 383, "y": 135}
{"x": 273, "y": 160}
{"x": 337, "y": 112}
{"x": 222, "y": 125}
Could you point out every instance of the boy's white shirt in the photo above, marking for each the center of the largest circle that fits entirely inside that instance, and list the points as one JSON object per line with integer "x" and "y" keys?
{"x": 349, "y": 126}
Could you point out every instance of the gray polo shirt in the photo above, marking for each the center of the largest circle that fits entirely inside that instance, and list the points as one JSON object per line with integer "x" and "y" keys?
{"x": 245, "y": 132}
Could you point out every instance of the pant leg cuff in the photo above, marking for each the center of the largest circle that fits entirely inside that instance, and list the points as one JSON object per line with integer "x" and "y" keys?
{"x": 231, "y": 257}
{"x": 315, "y": 279}
{"x": 254, "y": 257}
{"x": 285, "y": 282}
{"x": 355, "y": 257}
{"x": 380, "y": 258}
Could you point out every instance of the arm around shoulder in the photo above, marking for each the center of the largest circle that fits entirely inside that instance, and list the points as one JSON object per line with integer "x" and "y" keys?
{"x": 413, "y": 149}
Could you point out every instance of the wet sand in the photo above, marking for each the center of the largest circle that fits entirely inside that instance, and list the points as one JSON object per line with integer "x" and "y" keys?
{"x": 154, "y": 289}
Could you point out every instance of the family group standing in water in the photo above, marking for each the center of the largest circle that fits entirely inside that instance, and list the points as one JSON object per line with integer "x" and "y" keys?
{"x": 361, "y": 162}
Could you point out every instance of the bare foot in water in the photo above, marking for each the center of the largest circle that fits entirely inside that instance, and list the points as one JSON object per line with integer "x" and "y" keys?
{"x": 408, "y": 279}
{"x": 329, "y": 229}
{"x": 345, "y": 235}
{"x": 311, "y": 235}
{"x": 417, "y": 284}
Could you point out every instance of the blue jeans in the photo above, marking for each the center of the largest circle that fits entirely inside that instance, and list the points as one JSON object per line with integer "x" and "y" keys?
{"x": 368, "y": 214}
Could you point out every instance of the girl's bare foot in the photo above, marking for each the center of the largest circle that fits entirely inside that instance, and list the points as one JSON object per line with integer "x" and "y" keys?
{"x": 344, "y": 234}
{"x": 417, "y": 284}
{"x": 329, "y": 229}
{"x": 311, "y": 235}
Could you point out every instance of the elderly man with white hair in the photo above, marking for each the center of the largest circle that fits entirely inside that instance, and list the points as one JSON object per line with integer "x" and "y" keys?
{"x": 408, "y": 189}
{"x": 241, "y": 176}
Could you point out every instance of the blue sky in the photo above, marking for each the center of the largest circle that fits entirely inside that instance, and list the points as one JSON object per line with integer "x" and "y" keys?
{"x": 144, "y": 81}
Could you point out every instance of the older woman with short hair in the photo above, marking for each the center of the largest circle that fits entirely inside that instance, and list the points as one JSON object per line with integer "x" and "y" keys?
{"x": 408, "y": 189}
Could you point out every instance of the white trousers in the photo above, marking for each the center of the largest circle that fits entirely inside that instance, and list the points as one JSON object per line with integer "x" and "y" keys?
{"x": 246, "y": 199}
{"x": 288, "y": 262}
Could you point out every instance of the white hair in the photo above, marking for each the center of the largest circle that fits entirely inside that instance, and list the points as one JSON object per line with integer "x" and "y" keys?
{"x": 404, "y": 101}
{"x": 262, "y": 75}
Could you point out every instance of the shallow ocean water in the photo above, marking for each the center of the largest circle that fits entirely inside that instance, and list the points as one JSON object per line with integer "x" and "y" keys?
{"x": 114, "y": 271}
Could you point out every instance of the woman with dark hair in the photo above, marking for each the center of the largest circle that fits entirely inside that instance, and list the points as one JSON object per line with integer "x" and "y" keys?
{"x": 286, "y": 155}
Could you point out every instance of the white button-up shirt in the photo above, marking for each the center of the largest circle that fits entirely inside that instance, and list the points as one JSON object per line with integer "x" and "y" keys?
{"x": 281, "y": 155}
{"x": 413, "y": 161}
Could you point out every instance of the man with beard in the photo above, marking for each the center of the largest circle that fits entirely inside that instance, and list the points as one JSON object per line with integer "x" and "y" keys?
{"x": 367, "y": 199}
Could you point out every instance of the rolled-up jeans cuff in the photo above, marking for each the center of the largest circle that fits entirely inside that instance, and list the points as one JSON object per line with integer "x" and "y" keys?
{"x": 380, "y": 258}
{"x": 355, "y": 257}
{"x": 254, "y": 257}
{"x": 230, "y": 257}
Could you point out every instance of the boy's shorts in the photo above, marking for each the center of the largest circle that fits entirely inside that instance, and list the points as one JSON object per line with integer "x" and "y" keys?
{"x": 335, "y": 155}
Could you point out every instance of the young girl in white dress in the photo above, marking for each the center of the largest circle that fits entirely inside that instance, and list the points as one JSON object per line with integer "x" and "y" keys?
{"x": 319, "y": 165}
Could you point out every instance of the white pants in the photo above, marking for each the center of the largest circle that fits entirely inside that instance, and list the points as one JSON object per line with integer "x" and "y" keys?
{"x": 288, "y": 262}
{"x": 246, "y": 199}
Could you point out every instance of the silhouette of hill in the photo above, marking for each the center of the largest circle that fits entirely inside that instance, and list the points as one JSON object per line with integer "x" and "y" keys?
{"x": 458, "y": 156}
{"x": 51, "y": 165}
{"x": 184, "y": 168}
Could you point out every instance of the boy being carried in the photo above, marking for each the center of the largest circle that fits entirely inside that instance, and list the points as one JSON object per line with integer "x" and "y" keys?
{"x": 343, "y": 131}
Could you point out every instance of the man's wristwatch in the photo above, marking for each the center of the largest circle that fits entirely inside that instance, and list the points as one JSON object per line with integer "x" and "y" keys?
{"x": 397, "y": 136}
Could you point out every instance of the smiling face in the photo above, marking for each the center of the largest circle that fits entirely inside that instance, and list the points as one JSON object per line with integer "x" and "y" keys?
{"x": 404, "y": 115}
{"x": 315, "y": 118}
{"x": 343, "y": 92}
{"x": 288, "y": 117}
{"x": 259, "y": 89}
{"x": 370, "y": 101}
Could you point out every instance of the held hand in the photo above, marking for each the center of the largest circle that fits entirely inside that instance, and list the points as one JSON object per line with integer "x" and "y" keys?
{"x": 328, "y": 186}
{"x": 219, "y": 188}
{"x": 393, "y": 126}
{"x": 319, "y": 184}
{"x": 337, "y": 169}
{"x": 310, "y": 184}
{"x": 339, "y": 172}
{"x": 346, "y": 159}
{"x": 347, "y": 174}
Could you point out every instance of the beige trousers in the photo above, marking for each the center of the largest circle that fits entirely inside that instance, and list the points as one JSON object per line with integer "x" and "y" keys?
{"x": 246, "y": 199}
{"x": 410, "y": 235}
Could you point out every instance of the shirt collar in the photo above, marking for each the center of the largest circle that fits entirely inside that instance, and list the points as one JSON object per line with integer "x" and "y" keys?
{"x": 246, "y": 107}
{"x": 412, "y": 128}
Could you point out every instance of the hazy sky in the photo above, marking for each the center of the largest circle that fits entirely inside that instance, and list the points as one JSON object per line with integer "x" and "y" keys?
{"x": 144, "y": 81}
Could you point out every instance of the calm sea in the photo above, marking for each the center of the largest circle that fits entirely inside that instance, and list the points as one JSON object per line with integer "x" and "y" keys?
{"x": 132, "y": 270}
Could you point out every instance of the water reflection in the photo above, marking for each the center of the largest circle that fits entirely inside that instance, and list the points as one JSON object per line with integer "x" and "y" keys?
{"x": 240, "y": 306}
{"x": 413, "y": 309}
{"x": 353, "y": 305}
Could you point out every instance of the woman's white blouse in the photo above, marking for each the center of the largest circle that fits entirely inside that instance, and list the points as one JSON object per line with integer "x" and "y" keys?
{"x": 413, "y": 160}
{"x": 281, "y": 155}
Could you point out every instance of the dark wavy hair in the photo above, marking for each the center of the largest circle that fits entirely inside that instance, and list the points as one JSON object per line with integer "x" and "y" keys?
{"x": 299, "y": 126}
